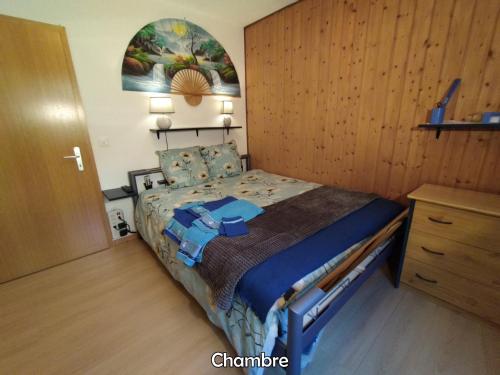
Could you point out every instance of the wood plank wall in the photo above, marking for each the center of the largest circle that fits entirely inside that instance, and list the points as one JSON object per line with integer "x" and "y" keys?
{"x": 335, "y": 90}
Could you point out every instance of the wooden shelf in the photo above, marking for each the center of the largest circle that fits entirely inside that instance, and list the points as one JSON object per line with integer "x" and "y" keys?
{"x": 459, "y": 126}
{"x": 196, "y": 129}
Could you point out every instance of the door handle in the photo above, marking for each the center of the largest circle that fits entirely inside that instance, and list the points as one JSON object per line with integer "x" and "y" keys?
{"x": 77, "y": 156}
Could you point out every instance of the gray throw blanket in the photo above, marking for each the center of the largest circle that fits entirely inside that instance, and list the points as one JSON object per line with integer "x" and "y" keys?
{"x": 227, "y": 259}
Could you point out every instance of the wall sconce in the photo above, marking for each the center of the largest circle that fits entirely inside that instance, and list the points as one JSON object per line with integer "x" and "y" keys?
{"x": 162, "y": 105}
{"x": 227, "y": 109}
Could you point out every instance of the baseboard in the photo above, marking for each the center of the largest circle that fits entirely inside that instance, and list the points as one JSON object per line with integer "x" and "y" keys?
{"x": 129, "y": 237}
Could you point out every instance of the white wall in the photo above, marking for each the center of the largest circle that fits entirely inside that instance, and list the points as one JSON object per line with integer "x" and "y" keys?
{"x": 98, "y": 33}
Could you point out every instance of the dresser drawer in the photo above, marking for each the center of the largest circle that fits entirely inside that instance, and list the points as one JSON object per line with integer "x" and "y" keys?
{"x": 470, "y": 296}
{"x": 482, "y": 266}
{"x": 458, "y": 225}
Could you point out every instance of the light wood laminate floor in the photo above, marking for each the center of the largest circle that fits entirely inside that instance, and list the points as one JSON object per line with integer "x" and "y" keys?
{"x": 119, "y": 311}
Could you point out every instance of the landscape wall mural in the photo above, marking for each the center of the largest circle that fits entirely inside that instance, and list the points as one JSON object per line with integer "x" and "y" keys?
{"x": 176, "y": 56}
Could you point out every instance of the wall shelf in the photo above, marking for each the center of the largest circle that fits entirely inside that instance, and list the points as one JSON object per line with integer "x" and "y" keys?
{"x": 459, "y": 126}
{"x": 196, "y": 129}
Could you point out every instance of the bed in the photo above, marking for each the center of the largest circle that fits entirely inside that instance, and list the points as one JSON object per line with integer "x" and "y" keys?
{"x": 293, "y": 323}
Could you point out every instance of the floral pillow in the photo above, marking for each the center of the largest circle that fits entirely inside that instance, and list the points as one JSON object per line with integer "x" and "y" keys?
{"x": 183, "y": 167}
{"x": 222, "y": 160}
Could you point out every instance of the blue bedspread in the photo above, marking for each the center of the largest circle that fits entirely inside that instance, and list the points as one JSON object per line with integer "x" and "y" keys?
{"x": 265, "y": 283}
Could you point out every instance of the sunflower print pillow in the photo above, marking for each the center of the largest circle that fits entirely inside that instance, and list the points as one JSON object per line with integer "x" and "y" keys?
{"x": 222, "y": 160}
{"x": 183, "y": 167}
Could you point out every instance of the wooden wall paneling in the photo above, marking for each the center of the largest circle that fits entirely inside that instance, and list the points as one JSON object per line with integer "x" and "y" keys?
{"x": 274, "y": 103}
{"x": 280, "y": 89}
{"x": 489, "y": 98}
{"x": 385, "y": 57}
{"x": 353, "y": 90}
{"x": 428, "y": 92}
{"x": 443, "y": 151}
{"x": 331, "y": 74}
{"x": 292, "y": 29}
{"x": 379, "y": 51}
{"x": 319, "y": 115}
{"x": 296, "y": 80}
{"x": 455, "y": 54}
{"x": 352, "y": 21}
{"x": 286, "y": 149}
{"x": 414, "y": 70}
{"x": 367, "y": 99}
{"x": 352, "y": 83}
{"x": 433, "y": 150}
{"x": 251, "y": 78}
{"x": 357, "y": 78}
{"x": 307, "y": 58}
{"x": 394, "y": 94}
{"x": 326, "y": 21}
{"x": 261, "y": 37}
{"x": 282, "y": 125}
{"x": 334, "y": 149}
{"x": 277, "y": 47}
{"x": 311, "y": 66}
{"x": 267, "y": 98}
{"x": 479, "y": 45}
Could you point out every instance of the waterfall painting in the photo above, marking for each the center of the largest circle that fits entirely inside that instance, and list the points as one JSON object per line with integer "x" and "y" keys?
{"x": 176, "y": 56}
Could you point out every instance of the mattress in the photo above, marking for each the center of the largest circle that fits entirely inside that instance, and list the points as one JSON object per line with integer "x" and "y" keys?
{"x": 248, "y": 334}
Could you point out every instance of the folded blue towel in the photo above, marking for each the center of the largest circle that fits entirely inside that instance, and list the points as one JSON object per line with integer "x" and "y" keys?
{"x": 233, "y": 226}
{"x": 205, "y": 228}
{"x": 189, "y": 212}
{"x": 194, "y": 241}
{"x": 175, "y": 230}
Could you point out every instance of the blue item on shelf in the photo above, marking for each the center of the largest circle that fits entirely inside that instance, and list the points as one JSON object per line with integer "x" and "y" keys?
{"x": 491, "y": 118}
{"x": 437, "y": 114}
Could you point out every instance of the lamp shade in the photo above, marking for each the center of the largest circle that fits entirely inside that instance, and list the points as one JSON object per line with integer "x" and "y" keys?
{"x": 161, "y": 105}
{"x": 227, "y": 107}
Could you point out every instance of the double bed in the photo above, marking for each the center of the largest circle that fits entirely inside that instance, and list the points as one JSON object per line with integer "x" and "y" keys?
{"x": 292, "y": 324}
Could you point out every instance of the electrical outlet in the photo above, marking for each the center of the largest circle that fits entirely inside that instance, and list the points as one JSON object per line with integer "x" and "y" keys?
{"x": 114, "y": 216}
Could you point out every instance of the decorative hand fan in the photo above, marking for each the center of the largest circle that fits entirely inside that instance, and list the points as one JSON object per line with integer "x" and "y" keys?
{"x": 191, "y": 84}
{"x": 176, "y": 56}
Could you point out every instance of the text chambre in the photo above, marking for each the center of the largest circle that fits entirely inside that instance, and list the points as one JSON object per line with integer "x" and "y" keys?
{"x": 222, "y": 359}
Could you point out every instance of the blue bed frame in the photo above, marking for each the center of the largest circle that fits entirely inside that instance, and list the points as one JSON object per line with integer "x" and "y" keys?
{"x": 299, "y": 338}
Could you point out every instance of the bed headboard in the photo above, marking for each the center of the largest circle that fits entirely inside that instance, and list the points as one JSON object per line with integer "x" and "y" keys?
{"x": 153, "y": 177}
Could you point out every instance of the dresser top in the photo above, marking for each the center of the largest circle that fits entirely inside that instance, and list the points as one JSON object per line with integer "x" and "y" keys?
{"x": 469, "y": 200}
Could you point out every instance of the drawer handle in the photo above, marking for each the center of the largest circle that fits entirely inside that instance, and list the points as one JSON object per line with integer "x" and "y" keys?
{"x": 431, "y": 251}
{"x": 425, "y": 279}
{"x": 439, "y": 221}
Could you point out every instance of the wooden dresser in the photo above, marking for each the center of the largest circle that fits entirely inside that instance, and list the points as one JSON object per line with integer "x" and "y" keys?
{"x": 453, "y": 249}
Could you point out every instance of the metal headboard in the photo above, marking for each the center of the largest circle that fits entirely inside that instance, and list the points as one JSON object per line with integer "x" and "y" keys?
{"x": 156, "y": 176}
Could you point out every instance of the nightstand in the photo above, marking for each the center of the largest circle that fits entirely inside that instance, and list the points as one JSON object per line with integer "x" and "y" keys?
{"x": 453, "y": 248}
{"x": 118, "y": 193}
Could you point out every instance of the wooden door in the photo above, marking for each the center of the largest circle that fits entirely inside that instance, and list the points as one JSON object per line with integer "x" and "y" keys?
{"x": 50, "y": 212}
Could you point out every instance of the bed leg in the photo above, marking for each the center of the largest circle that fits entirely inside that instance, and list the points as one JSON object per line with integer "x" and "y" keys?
{"x": 294, "y": 342}
{"x": 399, "y": 256}
{"x": 295, "y": 336}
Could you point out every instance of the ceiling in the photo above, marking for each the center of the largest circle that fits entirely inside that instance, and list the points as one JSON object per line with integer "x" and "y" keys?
{"x": 237, "y": 12}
